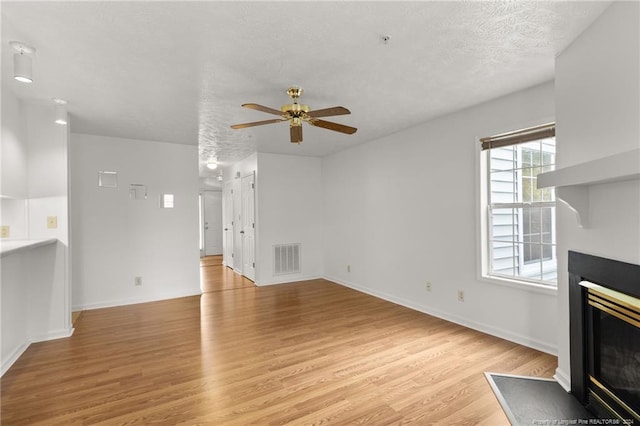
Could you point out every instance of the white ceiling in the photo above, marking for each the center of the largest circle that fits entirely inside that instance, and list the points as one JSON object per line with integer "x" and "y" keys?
{"x": 179, "y": 71}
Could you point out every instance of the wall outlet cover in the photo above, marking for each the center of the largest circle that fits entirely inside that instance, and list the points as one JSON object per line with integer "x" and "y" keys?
{"x": 52, "y": 222}
{"x": 5, "y": 231}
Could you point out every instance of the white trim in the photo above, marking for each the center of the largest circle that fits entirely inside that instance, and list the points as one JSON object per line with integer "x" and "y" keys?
{"x": 133, "y": 301}
{"x": 563, "y": 379}
{"x": 52, "y": 335}
{"x": 520, "y": 285}
{"x": 287, "y": 280}
{"x": 484, "y": 328}
{"x": 17, "y": 353}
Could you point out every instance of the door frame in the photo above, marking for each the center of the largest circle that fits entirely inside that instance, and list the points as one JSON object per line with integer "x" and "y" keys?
{"x": 248, "y": 229}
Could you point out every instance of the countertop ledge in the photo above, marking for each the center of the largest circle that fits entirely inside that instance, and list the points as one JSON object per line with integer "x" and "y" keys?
{"x": 8, "y": 247}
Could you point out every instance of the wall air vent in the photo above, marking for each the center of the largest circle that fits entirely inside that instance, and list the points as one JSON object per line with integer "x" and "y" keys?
{"x": 286, "y": 259}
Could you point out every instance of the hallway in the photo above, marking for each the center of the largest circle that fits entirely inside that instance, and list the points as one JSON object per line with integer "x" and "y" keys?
{"x": 214, "y": 276}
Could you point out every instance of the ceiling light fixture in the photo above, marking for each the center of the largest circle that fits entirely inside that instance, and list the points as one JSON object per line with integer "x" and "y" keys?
{"x": 212, "y": 165}
{"x": 61, "y": 111}
{"x": 22, "y": 61}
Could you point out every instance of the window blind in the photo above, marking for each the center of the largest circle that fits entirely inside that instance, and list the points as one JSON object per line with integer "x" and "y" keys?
{"x": 519, "y": 136}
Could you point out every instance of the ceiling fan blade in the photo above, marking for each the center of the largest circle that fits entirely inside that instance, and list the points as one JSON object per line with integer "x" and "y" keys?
{"x": 257, "y": 123}
{"x": 263, "y": 109}
{"x": 296, "y": 134}
{"x": 333, "y": 126}
{"x": 326, "y": 112}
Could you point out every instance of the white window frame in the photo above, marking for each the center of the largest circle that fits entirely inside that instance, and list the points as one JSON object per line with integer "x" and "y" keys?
{"x": 484, "y": 257}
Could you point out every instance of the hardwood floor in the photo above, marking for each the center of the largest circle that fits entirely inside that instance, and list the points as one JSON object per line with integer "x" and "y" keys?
{"x": 311, "y": 352}
{"x": 214, "y": 276}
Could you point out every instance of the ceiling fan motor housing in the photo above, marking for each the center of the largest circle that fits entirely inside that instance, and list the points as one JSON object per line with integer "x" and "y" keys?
{"x": 295, "y": 110}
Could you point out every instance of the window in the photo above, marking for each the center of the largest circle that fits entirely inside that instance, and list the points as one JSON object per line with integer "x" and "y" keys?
{"x": 520, "y": 218}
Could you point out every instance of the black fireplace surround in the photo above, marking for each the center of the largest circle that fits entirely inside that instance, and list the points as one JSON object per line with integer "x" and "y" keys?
{"x": 602, "y": 343}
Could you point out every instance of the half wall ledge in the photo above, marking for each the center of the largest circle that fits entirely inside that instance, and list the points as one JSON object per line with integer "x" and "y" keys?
{"x": 572, "y": 182}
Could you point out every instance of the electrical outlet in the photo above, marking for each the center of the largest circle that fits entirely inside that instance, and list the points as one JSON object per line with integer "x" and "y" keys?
{"x": 348, "y": 268}
{"x": 428, "y": 285}
{"x": 4, "y": 232}
{"x": 460, "y": 296}
{"x": 138, "y": 280}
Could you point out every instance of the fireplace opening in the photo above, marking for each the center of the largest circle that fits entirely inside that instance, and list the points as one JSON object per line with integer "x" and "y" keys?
{"x": 604, "y": 313}
{"x": 613, "y": 352}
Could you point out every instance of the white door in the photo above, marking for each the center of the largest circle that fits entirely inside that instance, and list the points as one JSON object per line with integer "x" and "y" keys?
{"x": 248, "y": 227}
{"x": 237, "y": 226}
{"x": 227, "y": 223}
{"x": 212, "y": 206}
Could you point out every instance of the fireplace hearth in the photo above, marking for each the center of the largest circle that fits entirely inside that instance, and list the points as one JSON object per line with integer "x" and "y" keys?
{"x": 604, "y": 303}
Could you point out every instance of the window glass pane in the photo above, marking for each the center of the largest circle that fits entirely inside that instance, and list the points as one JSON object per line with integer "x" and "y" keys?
{"x": 503, "y": 158}
{"x": 522, "y": 235}
{"x": 529, "y": 146}
{"x": 503, "y": 258}
{"x": 550, "y": 270}
{"x": 504, "y": 224}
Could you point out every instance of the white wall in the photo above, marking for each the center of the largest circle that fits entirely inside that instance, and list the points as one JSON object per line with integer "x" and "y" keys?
{"x": 597, "y": 105}
{"x": 35, "y": 300}
{"x": 13, "y": 173}
{"x": 289, "y": 200}
{"x": 115, "y": 239}
{"x": 401, "y": 211}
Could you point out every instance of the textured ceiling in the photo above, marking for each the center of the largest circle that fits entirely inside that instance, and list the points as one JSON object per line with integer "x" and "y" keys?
{"x": 179, "y": 71}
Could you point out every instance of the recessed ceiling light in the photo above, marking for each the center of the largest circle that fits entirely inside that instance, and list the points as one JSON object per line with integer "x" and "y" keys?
{"x": 61, "y": 111}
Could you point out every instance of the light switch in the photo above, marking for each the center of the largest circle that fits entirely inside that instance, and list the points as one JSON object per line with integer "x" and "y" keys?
{"x": 52, "y": 222}
{"x": 4, "y": 232}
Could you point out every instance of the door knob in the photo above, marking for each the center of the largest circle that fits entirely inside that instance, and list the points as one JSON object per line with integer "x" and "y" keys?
{"x": 242, "y": 232}
{"x": 226, "y": 229}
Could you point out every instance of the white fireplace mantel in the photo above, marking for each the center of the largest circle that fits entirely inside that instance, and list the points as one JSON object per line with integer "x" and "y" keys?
{"x": 572, "y": 182}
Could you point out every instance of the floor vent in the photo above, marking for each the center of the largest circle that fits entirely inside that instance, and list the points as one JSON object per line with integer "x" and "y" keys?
{"x": 286, "y": 259}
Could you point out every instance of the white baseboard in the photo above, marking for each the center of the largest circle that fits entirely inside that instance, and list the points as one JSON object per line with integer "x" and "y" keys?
{"x": 563, "y": 379}
{"x": 133, "y": 301}
{"x": 52, "y": 335}
{"x": 13, "y": 357}
{"x": 485, "y": 328}
{"x": 17, "y": 353}
{"x": 277, "y": 281}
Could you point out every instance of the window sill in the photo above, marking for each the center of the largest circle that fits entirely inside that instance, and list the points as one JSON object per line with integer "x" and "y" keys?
{"x": 521, "y": 285}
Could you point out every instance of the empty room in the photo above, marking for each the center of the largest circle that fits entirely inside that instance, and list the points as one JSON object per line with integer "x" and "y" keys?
{"x": 318, "y": 212}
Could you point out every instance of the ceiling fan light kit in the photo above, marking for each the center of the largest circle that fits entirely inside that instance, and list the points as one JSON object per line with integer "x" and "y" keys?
{"x": 296, "y": 114}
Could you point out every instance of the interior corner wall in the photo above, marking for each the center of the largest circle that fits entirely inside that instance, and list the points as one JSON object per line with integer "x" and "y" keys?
{"x": 47, "y": 173}
{"x": 598, "y": 110}
{"x": 115, "y": 238}
{"x": 401, "y": 210}
{"x": 289, "y": 210}
{"x": 35, "y": 301}
{"x": 13, "y": 170}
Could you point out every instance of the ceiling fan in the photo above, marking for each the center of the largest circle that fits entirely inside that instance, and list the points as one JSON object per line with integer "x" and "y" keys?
{"x": 296, "y": 114}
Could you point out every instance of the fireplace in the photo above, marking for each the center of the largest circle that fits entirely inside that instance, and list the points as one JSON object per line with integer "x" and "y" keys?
{"x": 604, "y": 303}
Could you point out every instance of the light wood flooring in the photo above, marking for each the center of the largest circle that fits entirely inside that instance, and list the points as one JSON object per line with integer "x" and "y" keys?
{"x": 214, "y": 276}
{"x": 311, "y": 352}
